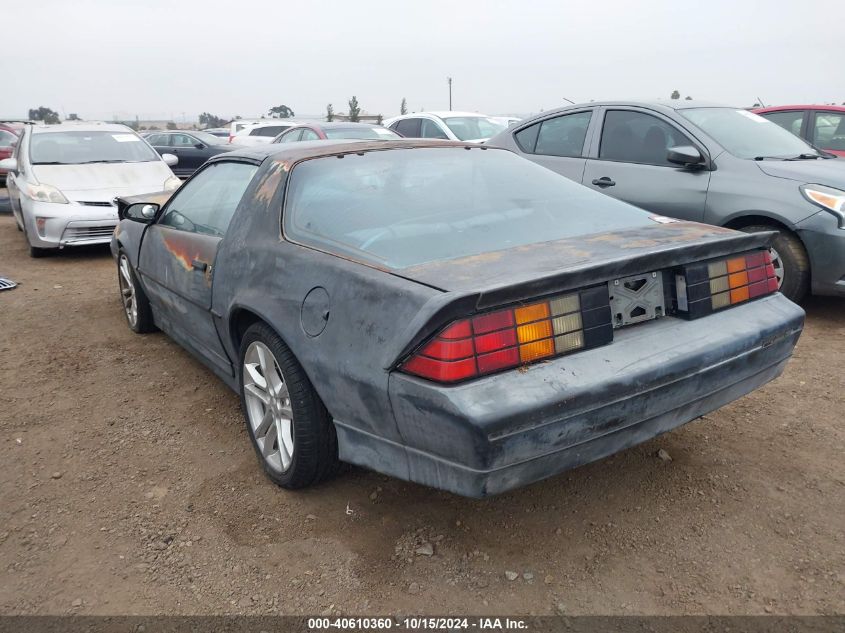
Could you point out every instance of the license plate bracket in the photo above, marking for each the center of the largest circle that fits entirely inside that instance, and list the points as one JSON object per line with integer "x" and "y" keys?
{"x": 636, "y": 298}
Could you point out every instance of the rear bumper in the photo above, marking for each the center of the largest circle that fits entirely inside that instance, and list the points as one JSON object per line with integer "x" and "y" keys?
{"x": 505, "y": 431}
{"x": 825, "y": 243}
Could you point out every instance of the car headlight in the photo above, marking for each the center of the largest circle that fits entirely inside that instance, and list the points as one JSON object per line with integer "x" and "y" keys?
{"x": 44, "y": 193}
{"x": 828, "y": 198}
{"x": 172, "y": 183}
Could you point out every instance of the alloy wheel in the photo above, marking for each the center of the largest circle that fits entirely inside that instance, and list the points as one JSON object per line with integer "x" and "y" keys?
{"x": 268, "y": 406}
{"x": 777, "y": 262}
{"x": 127, "y": 291}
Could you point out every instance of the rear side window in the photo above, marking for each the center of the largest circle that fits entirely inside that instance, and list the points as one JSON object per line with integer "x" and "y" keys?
{"x": 158, "y": 139}
{"x": 829, "y": 130}
{"x": 790, "y": 120}
{"x": 636, "y": 137}
{"x": 527, "y": 138}
{"x": 291, "y": 137}
{"x": 207, "y": 203}
{"x": 409, "y": 128}
{"x": 269, "y": 130}
{"x": 309, "y": 135}
{"x": 563, "y": 135}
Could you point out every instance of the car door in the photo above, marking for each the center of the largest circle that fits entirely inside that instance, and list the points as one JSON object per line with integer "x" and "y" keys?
{"x": 628, "y": 161}
{"x": 191, "y": 153}
{"x": 18, "y": 174}
{"x": 177, "y": 254}
{"x": 827, "y": 131}
{"x": 558, "y": 143}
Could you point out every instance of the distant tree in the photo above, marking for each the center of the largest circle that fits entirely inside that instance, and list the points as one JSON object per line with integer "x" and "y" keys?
{"x": 687, "y": 98}
{"x": 73, "y": 117}
{"x": 756, "y": 105}
{"x": 354, "y": 110}
{"x": 154, "y": 127}
{"x": 675, "y": 95}
{"x": 280, "y": 112}
{"x": 171, "y": 125}
{"x": 237, "y": 117}
{"x": 45, "y": 114}
{"x": 206, "y": 119}
{"x": 330, "y": 113}
{"x": 143, "y": 127}
{"x": 379, "y": 120}
{"x": 403, "y": 107}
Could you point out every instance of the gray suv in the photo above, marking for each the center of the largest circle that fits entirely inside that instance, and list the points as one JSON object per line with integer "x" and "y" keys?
{"x": 712, "y": 164}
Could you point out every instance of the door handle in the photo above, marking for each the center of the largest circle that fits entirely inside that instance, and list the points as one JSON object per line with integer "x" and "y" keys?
{"x": 198, "y": 265}
{"x": 604, "y": 181}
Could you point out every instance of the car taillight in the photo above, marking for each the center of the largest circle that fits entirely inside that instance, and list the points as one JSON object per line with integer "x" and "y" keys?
{"x": 705, "y": 287}
{"x": 504, "y": 339}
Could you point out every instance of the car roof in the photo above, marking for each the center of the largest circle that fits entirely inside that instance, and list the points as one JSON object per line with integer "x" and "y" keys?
{"x": 443, "y": 114}
{"x": 87, "y": 126}
{"x": 328, "y": 125}
{"x": 833, "y": 108}
{"x": 294, "y": 152}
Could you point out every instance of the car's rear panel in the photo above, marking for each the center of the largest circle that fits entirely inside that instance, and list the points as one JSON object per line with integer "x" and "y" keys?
{"x": 487, "y": 434}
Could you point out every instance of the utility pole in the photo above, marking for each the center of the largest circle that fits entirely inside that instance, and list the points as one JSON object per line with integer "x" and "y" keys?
{"x": 449, "y": 81}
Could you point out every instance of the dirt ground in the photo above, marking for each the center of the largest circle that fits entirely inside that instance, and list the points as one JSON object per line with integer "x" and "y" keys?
{"x": 128, "y": 485}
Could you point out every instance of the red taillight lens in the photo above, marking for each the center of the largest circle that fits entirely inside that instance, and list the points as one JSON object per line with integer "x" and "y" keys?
{"x": 706, "y": 287}
{"x": 507, "y": 338}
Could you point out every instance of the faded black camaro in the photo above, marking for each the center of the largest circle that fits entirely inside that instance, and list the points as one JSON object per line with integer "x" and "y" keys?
{"x": 446, "y": 313}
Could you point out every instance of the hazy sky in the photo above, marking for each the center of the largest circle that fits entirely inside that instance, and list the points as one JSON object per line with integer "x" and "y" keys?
{"x": 157, "y": 59}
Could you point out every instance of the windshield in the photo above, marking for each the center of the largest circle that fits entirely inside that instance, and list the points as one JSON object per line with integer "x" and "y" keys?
{"x": 747, "y": 135}
{"x": 403, "y": 207}
{"x": 205, "y": 137}
{"x": 373, "y": 133}
{"x": 468, "y": 128}
{"x": 76, "y": 148}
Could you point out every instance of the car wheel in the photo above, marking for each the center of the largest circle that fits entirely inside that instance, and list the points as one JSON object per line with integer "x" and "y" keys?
{"x": 792, "y": 266}
{"x": 287, "y": 422}
{"x": 136, "y": 306}
{"x": 34, "y": 251}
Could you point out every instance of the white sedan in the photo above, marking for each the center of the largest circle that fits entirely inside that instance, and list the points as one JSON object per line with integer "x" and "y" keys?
{"x": 63, "y": 180}
{"x": 455, "y": 126}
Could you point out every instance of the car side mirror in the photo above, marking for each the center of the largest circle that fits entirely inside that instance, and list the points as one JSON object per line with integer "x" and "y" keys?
{"x": 143, "y": 212}
{"x": 686, "y": 155}
{"x": 170, "y": 159}
{"x": 199, "y": 145}
{"x": 9, "y": 164}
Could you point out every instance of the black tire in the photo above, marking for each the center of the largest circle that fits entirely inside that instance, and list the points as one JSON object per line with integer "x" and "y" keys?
{"x": 34, "y": 251}
{"x": 314, "y": 457}
{"x": 796, "y": 264}
{"x": 144, "y": 318}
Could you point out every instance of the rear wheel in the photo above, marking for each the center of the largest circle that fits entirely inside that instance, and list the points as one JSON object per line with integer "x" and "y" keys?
{"x": 789, "y": 257}
{"x": 287, "y": 422}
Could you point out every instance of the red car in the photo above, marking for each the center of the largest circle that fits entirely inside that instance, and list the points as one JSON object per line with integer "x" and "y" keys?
{"x": 821, "y": 125}
{"x": 8, "y": 138}
{"x": 334, "y": 131}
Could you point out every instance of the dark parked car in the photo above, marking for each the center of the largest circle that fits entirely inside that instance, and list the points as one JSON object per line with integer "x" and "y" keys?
{"x": 444, "y": 312}
{"x": 192, "y": 148}
{"x": 719, "y": 165}
{"x": 820, "y": 125}
{"x": 335, "y": 130}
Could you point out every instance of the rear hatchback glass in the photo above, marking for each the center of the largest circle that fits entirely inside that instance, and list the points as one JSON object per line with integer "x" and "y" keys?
{"x": 404, "y": 207}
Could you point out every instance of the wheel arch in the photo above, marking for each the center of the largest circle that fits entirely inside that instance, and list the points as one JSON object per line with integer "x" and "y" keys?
{"x": 241, "y": 318}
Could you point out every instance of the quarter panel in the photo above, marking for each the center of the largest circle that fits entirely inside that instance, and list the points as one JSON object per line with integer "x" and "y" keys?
{"x": 259, "y": 271}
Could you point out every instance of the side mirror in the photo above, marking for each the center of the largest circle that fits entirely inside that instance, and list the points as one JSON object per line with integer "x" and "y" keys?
{"x": 9, "y": 164}
{"x": 686, "y": 155}
{"x": 170, "y": 159}
{"x": 142, "y": 212}
{"x": 199, "y": 145}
